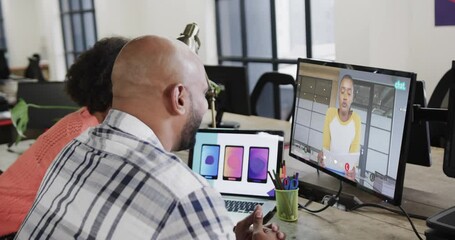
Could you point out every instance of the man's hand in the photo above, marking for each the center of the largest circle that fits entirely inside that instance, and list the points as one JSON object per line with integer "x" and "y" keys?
{"x": 244, "y": 231}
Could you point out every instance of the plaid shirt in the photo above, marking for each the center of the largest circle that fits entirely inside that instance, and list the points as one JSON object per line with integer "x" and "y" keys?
{"x": 116, "y": 181}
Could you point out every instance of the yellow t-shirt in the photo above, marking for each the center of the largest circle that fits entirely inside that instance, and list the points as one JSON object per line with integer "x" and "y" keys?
{"x": 339, "y": 136}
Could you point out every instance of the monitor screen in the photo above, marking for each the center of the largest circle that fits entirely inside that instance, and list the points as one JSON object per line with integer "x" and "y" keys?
{"x": 237, "y": 161}
{"x": 352, "y": 122}
{"x": 235, "y": 97}
{"x": 46, "y": 94}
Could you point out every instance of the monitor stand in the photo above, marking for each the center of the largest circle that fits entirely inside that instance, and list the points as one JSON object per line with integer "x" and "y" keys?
{"x": 224, "y": 124}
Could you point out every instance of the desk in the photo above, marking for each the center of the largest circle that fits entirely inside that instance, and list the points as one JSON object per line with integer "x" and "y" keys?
{"x": 6, "y": 130}
{"x": 367, "y": 223}
{"x": 424, "y": 186}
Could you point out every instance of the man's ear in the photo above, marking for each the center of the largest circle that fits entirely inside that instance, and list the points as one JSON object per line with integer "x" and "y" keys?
{"x": 178, "y": 99}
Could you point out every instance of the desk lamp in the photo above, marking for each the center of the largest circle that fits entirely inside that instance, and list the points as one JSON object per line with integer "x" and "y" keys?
{"x": 190, "y": 38}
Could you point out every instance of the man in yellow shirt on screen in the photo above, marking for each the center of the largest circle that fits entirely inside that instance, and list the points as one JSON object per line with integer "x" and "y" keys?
{"x": 341, "y": 133}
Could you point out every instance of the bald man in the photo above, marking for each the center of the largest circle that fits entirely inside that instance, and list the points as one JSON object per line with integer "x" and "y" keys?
{"x": 119, "y": 180}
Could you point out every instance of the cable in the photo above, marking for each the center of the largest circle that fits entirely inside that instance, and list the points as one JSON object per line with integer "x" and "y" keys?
{"x": 412, "y": 224}
{"x": 403, "y": 212}
{"x": 332, "y": 200}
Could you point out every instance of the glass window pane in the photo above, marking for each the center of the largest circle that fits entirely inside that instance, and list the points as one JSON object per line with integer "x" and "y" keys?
{"x": 228, "y": 63}
{"x": 69, "y": 59}
{"x": 322, "y": 27}
{"x": 1, "y": 30}
{"x": 383, "y": 100}
{"x": 78, "y": 37}
{"x": 89, "y": 25}
{"x": 258, "y": 28}
{"x": 2, "y": 36}
{"x": 255, "y": 70}
{"x": 79, "y": 29}
{"x": 291, "y": 36}
{"x": 290, "y": 69}
{"x": 75, "y": 5}
{"x": 64, "y": 5}
{"x": 361, "y": 95}
{"x": 67, "y": 33}
{"x": 230, "y": 30}
{"x": 87, "y": 4}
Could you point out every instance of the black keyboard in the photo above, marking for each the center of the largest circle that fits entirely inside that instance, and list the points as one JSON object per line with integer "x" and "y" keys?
{"x": 240, "y": 206}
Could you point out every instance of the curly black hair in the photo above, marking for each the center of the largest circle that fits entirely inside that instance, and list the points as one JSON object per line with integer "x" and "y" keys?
{"x": 88, "y": 81}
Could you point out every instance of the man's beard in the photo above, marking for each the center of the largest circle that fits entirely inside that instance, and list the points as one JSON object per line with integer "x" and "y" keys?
{"x": 189, "y": 131}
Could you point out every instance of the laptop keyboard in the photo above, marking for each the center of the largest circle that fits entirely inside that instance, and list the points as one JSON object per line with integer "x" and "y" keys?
{"x": 240, "y": 206}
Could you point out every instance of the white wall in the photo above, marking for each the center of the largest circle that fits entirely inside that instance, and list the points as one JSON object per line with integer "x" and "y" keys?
{"x": 33, "y": 26}
{"x": 394, "y": 34}
{"x": 388, "y": 33}
{"x": 22, "y": 24}
{"x": 167, "y": 18}
{"x": 433, "y": 48}
{"x": 52, "y": 50}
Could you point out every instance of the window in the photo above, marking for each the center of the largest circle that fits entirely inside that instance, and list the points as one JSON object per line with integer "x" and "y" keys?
{"x": 375, "y": 103}
{"x": 78, "y": 27}
{"x": 2, "y": 31}
{"x": 271, "y": 35}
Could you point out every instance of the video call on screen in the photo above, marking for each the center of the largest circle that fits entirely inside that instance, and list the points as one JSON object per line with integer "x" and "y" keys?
{"x": 379, "y": 100}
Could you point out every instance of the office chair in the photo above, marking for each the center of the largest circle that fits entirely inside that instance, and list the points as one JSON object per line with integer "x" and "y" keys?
{"x": 440, "y": 99}
{"x": 273, "y": 96}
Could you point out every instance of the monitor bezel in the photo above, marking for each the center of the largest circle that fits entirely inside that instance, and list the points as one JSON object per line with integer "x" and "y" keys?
{"x": 243, "y": 131}
{"x": 396, "y": 200}
{"x": 278, "y": 133}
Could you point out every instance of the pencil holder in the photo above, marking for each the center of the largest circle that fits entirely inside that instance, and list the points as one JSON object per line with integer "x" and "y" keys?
{"x": 287, "y": 204}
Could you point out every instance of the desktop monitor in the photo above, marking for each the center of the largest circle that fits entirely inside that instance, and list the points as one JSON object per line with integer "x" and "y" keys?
{"x": 442, "y": 224}
{"x": 365, "y": 145}
{"x": 420, "y": 133}
{"x": 449, "y": 150}
{"x": 46, "y": 94}
{"x": 235, "y": 97}
{"x": 439, "y": 100}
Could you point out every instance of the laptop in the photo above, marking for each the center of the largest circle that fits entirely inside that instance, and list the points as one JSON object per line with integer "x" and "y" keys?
{"x": 235, "y": 163}
{"x": 338, "y": 163}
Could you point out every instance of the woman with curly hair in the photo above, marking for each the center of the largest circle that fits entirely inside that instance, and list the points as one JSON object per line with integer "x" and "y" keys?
{"x": 88, "y": 82}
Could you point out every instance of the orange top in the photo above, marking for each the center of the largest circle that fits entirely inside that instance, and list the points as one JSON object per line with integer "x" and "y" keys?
{"x": 20, "y": 182}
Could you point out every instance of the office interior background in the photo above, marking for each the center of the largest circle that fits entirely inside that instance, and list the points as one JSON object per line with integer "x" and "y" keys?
{"x": 390, "y": 34}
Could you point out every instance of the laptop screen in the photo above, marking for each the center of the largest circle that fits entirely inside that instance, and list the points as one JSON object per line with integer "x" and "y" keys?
{"x": 236, "y": 162}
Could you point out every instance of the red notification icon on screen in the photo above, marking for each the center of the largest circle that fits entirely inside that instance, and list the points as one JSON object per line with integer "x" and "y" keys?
{"x": 346, "y": 166}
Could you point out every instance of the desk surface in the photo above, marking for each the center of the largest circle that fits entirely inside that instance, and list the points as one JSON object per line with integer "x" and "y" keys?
{"x": 367, "y": 223}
